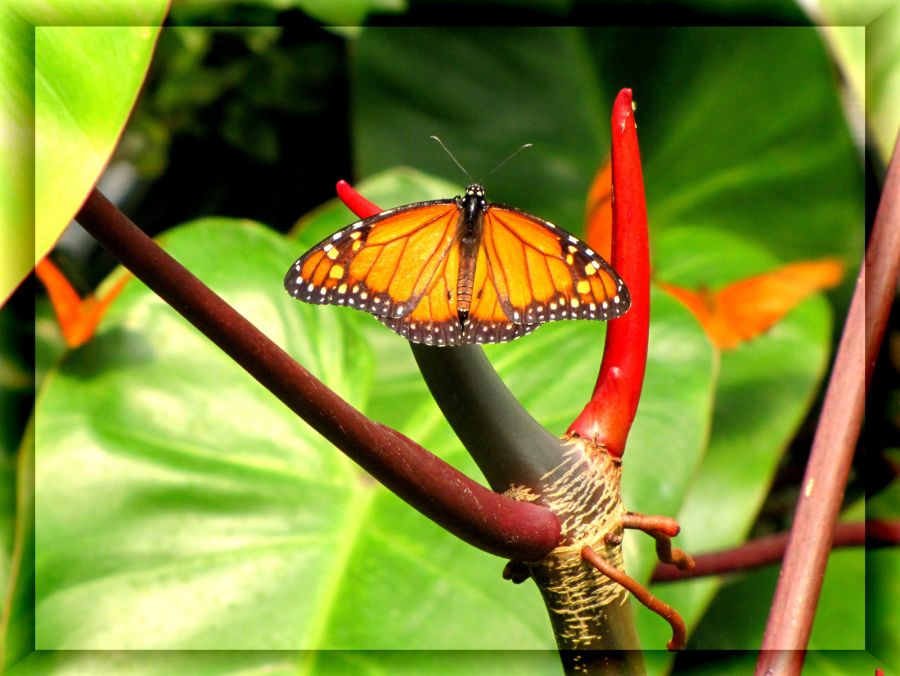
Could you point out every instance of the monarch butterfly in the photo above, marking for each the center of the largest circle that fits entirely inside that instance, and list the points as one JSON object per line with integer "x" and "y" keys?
{"x": 458, "y": 271}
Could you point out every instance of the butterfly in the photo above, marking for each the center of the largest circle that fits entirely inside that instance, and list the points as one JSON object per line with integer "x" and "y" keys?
{"x": 459, "y": 271}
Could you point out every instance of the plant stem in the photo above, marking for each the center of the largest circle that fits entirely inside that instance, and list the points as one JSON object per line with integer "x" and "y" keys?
{"x": 509, "y": 446}
{"x": 793, "y": 607}
{"x": 479, "y": 516}
{"x": 588, "y": 606}
{"x": 770, "y": 549}
{"x": 643, "y": 595}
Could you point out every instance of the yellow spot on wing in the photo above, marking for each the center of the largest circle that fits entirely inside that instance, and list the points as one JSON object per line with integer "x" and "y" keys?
{"x": 336, "y": 271}
{"x": 583, "y": 286}
{"x": 589, "y": 269}
{"x": 332, "y": 253}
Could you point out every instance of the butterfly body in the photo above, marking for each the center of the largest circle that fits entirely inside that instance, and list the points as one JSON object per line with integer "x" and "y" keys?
{"x": 470, "y": 228}
{"x": 458, "y": 271}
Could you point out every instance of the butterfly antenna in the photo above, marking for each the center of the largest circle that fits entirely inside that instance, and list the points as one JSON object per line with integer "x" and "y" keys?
{"x": 518, "y": 150}
{"x": 455, "y": 161}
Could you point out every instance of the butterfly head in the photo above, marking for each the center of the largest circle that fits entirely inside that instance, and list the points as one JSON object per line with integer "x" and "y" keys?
{"x": 475, "y": 190}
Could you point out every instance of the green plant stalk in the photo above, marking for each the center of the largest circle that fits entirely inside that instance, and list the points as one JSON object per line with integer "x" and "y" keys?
{"x": 510, "y": 447}
{"x": 588, "y": 611}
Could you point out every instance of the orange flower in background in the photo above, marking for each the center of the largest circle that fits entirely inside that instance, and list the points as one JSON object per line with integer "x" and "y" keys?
{"x": 598, "y": 211}
{"x": 747, "y": 308}
{"x": 78, "y": 317}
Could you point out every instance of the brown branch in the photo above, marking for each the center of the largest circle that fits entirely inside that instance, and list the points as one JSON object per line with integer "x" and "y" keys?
{"x": 882, "y": 533}
{"x": 770, "y": 549}
{"x": 662, "y": 529}
{"x": 664, "y": 525}
{"x": 642, "y": 594}
{"x": 673, "y": 556}
{"x": 481, "y": 517}
{"x": 797, "y": 594}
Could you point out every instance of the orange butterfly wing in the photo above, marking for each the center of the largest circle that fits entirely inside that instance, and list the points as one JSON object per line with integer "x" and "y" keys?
{"x": 435, "y": 319}
{"x": 402, "y": 266}
{"x": 530, "y": 272}
{"x": 394, "y": 265}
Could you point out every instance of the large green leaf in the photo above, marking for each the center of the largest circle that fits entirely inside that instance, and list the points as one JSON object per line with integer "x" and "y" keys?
{"x": 16, "y": 150}
{"x": 278, "y": 663}
{"x": 179, "y": 505}
{"x": 86, "y": 80}
{"x": 738, "y": 617}
{"x": 731, "y": 141}
{"x": 70, "y": 72}
{"x": 883, "y": 79}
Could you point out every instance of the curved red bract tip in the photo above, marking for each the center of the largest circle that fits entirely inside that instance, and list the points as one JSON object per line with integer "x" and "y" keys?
{"x": 607, "y": 418}
{"x": 623, "y": 110}
{"x": 355, "y": 202}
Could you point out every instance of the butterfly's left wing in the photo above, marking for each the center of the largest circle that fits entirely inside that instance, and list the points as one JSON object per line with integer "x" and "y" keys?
{"x": 384, "y": 264}
{"x": 541, "y": 273}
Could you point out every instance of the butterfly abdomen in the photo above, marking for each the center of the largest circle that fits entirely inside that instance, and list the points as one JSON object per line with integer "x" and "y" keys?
{"x": 468, "y": 254}
{"x": 470, "y": 228}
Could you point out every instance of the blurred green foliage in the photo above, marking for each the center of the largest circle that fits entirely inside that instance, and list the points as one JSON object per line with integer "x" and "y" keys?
{"x": 261, "y": 536}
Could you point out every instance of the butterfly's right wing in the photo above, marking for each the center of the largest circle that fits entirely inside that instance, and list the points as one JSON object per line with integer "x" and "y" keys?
{"x": 541, "y": 273}
{"x": 383, "y": 265}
